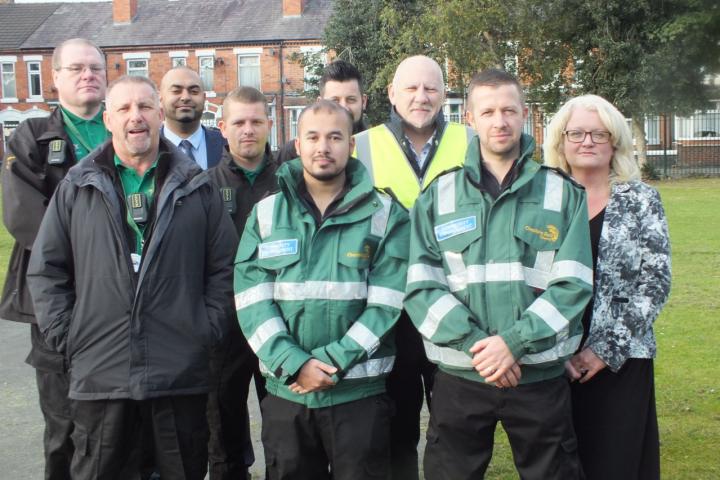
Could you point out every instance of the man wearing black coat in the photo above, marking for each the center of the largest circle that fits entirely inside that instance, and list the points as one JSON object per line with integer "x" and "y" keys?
{"x": 130, "y": 279}
{"x": 40, "y": 152}
{"x": 245, "y": 175}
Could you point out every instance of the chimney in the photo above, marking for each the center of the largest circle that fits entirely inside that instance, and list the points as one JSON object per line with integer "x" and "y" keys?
{"x": 293, "y": 8}
{"x": 124, "y": 11}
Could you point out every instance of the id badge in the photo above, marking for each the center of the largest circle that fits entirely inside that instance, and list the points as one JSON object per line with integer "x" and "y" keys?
{"x": 136, "y": 260}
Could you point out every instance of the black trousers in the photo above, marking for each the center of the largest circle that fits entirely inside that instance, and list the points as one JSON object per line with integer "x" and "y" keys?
{"x": 537, "y": 418}
{"x": 53, "y": 385}
{"x": 616, "y": 423}
{"x": 411, "y": 374}
{"x": 344, "y": 442}
{"x": 109, "y": 438}
{"x": 232, "y": 365}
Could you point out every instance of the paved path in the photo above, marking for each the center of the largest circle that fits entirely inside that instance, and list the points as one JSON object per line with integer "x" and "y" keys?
{"x": 21, "y": 425}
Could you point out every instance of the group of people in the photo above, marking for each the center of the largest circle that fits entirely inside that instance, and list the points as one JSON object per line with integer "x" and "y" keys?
{"x": 163, "y": 265}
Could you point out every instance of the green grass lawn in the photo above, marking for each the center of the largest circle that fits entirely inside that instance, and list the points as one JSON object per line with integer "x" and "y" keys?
{"x": 687, "y": 374}
{"x": 687, "y": 371}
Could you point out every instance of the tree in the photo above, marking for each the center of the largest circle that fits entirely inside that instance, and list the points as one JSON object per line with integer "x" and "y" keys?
{"x": 372, "y": 35}
{"x": 646, "y": 57}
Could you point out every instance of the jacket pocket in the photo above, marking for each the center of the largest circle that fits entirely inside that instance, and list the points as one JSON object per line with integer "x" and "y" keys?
{"x": 454, "y": 233}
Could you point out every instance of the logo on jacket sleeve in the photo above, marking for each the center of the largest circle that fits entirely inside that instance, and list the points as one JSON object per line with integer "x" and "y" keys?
{"x": 550, "y": 234}
{"x": 278, "y": 248}
{"x": 455, "y": 227}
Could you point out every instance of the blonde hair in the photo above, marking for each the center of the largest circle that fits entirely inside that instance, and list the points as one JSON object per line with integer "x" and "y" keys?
{"x": 623, "y": 166}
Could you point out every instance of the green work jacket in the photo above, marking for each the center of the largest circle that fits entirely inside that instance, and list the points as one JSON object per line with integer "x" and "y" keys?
{"x": 331, "y": 292}
{"x": 518, "y": 266}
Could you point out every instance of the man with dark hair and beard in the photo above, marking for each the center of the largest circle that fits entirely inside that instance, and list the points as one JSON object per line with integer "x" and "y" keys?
{"x": 342, "y": 83}
{"x": 319, "y": 280}
{"x": 183, "y": 100}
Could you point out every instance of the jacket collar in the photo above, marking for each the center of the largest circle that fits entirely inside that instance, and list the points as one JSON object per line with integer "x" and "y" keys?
{"x": 526, "y": 170}
{"x": 290, "y": 174}
{"x": 396, "y": 124}
{"x": 55, "y": 127}
{"x": 174, "y": 166}
{"x": 620, "y": 187}
{"x": 227, "y": 158}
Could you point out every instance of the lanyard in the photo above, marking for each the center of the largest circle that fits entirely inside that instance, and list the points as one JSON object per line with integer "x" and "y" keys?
{"x": 73, "y": 129}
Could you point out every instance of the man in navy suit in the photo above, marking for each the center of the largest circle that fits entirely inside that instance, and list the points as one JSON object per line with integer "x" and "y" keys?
{"x": 183, "y": 100}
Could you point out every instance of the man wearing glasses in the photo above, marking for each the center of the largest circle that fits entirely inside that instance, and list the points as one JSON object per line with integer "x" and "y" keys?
{"x": 39, "y": 154}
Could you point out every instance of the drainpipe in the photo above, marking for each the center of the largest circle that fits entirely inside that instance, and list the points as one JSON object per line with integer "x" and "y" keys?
{"x": 281, "y": 109}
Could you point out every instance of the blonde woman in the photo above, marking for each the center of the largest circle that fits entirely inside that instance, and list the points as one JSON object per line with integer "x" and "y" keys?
{"x": 613, "y": 388}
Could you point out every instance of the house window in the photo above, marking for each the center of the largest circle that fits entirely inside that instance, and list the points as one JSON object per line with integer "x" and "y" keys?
{"x": 206, "y": 67}
{"x": 34, "y": 80}
{"x": 273, "y": 130}
{"x": 249, "y": 70}
{"x": 179, "y": 62}
{"x": 138, "y": 67}
{"x": 313, "y": 55}
{"x": 7, "y": 70}
{"x": 453, "y": 110}
{"x": 294, "y": 115}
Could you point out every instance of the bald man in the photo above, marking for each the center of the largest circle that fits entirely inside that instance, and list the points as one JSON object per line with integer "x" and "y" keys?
{"x": 183, "y": 100}
{"x": 404, "y": 155}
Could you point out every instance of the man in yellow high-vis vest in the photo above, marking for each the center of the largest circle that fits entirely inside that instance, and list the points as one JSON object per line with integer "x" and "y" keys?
{"x": 404, "y": 155}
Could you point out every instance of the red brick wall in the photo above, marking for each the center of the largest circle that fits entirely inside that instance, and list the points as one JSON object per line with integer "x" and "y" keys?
{"x": 698, "y": 153}
{"x": 225, "y": 74}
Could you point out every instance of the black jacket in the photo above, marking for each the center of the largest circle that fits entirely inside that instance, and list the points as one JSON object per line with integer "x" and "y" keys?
{"x": 129, "y": 335}
{"x": 228, "y": 175}
{"x": 28, "y": 182}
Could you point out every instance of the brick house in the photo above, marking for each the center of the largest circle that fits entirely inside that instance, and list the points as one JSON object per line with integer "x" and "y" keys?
{"x": 229, "y": 42}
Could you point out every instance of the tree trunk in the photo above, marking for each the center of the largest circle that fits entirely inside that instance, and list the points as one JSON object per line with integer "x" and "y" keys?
{"x": 638, "y": 130}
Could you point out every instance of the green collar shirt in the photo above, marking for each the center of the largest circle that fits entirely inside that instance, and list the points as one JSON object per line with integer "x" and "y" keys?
{"x": 133, "y": 183}
{"x": 85, "y": 134}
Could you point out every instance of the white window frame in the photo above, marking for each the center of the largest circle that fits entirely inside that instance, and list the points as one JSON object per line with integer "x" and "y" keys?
{"x": 293, "y": 114}
{"x": 274, "y": 129}
{"x": 130, "y": 70}
{"x": 178, "y": 58}
{"x": 135, "y": 57}
{"x": 30, "y": 74}
{"x": 450, "y": 103}
{"x": 249, "y": 53}
{"x": 8, "y": 60}
{"x": 211, "y": 60}
{"x": 307, "y": 75}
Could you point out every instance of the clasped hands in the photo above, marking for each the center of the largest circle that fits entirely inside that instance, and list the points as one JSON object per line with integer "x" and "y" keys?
{"x": 313, "y": 377}
{"x": 494, "y": 361}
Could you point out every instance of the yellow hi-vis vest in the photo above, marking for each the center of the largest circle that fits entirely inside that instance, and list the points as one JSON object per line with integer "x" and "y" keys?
{"x": 380, "y": 152}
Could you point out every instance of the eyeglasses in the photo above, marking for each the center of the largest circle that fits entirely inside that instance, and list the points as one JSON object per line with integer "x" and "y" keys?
{"x": 578, "y": 136}
{"x": 79, "y": 69}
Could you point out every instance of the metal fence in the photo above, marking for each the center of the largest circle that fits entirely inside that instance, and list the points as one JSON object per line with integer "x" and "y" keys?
{"x": 683, "y": 146}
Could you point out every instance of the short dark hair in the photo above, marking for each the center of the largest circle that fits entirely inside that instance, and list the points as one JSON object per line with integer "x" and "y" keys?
{"x": 327, "y": 106}
{"x": 493, "y": 78}
{"x": 246, "y": 95}
{"x": 340, "y": 71}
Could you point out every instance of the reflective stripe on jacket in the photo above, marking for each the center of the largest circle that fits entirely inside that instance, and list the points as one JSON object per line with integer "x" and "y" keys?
{"x": 331, "y": 292}
{"x": 389, "y": 167}
{"x": 519, "y": 267}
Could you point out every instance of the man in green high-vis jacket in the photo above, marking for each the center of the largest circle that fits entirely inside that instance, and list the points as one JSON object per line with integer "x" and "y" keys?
{"x": 319, "y": 279}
